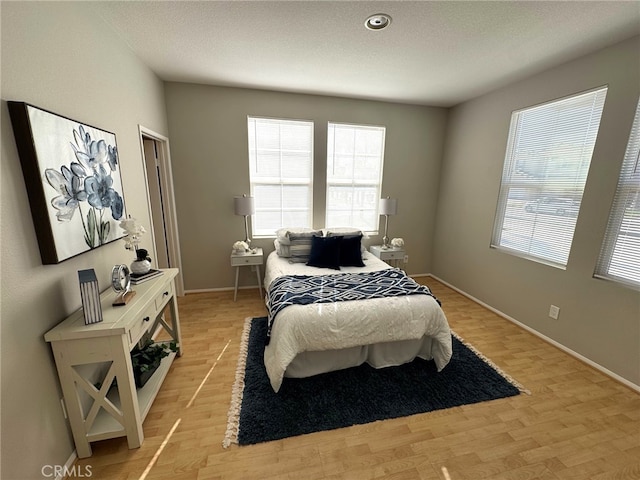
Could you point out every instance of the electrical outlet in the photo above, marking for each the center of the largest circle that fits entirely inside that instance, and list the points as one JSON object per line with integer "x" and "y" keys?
{"x": 554, "y": 312}
{"x": 406, "y": 259}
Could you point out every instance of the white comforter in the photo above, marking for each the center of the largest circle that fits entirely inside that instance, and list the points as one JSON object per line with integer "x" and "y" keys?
{"x": 350, "y": 323}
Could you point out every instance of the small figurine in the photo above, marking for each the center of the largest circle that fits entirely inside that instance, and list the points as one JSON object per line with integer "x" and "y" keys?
{"x": 397, "y": 242}
{"x": 240, "y": 247}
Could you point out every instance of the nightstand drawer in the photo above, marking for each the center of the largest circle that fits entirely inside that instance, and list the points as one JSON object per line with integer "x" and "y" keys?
{"x": 240, "y": 260}
{"x": 391, "y": 255}
{"x": 141, "y": 325}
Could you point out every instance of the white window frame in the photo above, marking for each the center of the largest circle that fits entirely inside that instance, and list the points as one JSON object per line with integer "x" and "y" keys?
{"x": 619, "y": 258}
{"x": 357, "y": 185}
{"x": 546, "y": 164}
{"x": 279, "y": 180}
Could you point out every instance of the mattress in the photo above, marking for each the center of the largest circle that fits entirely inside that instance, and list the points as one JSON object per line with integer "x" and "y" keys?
{"x": 311, "y": 339}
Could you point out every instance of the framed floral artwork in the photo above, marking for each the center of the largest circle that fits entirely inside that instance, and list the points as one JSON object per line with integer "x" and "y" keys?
{"x": 72, "y": 175}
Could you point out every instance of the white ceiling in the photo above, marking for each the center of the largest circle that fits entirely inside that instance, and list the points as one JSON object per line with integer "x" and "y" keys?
{"x": 434, "y": 52}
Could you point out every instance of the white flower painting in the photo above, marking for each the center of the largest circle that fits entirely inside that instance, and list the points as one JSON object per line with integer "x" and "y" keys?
{"x": 74, "y": 169}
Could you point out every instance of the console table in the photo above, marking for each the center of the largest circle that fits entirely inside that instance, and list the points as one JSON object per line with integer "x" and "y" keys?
{"x": 98, "y": 410}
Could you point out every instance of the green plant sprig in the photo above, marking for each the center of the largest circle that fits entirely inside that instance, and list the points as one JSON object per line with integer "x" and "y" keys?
{"x": 142, "y": 358}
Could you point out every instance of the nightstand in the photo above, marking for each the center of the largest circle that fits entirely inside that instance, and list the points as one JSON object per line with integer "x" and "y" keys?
{"x": 391, "y": 254}
{"x": 244, "y": 260}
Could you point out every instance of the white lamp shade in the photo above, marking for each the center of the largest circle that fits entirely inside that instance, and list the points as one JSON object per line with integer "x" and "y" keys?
{"x": 388, "y": 206}
{"x": 243, "y": 205}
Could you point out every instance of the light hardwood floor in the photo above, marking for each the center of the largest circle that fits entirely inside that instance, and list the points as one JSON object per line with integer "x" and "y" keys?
{"x": 577, "y": 423}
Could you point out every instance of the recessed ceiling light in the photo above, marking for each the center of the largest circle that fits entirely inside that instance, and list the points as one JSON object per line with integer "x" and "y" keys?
{"x": 378, "y": 21}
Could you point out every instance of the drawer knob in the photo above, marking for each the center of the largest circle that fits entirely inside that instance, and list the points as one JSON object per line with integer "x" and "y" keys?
{"x": 146, "y": 319}
{"x": 165, "y": 294}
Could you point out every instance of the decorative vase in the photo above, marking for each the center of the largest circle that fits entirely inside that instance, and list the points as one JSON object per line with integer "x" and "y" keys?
{"x": 140, "y": 267}
{"x": 142, "y": 264}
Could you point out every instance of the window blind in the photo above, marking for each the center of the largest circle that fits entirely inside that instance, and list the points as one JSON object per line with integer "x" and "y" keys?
{"x": 280, "y": 173}
{"x": 620, "y": 254}
{"x": 355, "y": 156}
{"x": 547, "y": 160}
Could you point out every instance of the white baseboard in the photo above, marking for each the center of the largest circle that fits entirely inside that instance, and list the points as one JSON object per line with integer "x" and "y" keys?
{"x": 556, "y": 344}
{"x": 221, "y": 289}
{"x": 68, "y": 467}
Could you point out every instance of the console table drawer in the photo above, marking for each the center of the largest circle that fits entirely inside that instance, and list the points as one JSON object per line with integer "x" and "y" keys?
{"x": 142, "y": 324}
{"x": 162, "y": 298}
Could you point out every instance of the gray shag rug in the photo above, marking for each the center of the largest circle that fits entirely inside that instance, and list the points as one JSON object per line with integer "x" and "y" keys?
{"x": 352, "y": 396}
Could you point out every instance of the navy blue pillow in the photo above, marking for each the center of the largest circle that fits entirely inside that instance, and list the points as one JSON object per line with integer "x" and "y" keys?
{"x": 351, "y": 251}
{"x": 325, "y": 252}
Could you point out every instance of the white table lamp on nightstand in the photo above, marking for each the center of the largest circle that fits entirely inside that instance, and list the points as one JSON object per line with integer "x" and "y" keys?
{"x": 244, "y": 206}
{"x": 388, "y": 206}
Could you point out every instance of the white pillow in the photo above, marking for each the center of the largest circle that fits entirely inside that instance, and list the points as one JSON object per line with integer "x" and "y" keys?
{"x": 296, "y": 246}
{"x": 284, "y": 234}
{"x": 281, "y": 249}
{"x": 296, "y": 253}
{"x": 343, "y": 232}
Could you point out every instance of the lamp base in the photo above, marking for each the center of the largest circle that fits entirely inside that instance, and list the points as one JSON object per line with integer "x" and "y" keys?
{"x": 385, "y": 239}
{"x": 247, "y": 240}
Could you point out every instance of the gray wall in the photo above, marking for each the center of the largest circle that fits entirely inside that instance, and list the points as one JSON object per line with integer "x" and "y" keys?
{"x": 59, "y": 58}
{"x": 210, "y": 166}
{"x": 598, "y": 319}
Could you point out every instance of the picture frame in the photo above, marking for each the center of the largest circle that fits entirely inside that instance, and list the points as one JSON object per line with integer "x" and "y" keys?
{"x": 73, "y": 181}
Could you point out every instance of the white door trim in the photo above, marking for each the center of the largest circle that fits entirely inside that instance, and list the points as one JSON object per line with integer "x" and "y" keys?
{"x": 168, "y": 200}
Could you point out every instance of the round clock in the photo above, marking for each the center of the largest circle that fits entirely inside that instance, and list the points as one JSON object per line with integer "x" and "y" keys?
{"x": 120, "y": 279}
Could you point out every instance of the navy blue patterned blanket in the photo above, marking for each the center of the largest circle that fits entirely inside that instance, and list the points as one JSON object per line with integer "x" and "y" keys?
{"x": 307, "y": 289}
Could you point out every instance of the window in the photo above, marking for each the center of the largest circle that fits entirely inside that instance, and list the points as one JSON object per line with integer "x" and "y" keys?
{"x": 355, "y": 155}
{"x": 280, "y": 172}
{"x": 620, "y": 255}
{"x": 545, "y": 169}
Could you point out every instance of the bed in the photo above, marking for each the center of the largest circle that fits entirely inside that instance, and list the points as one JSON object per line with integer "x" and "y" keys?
{"x": 310, "y": 339}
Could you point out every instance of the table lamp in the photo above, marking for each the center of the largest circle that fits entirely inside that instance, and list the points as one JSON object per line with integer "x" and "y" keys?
{"x": 388, "y": 206}
{"x": 244, "y": 206}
